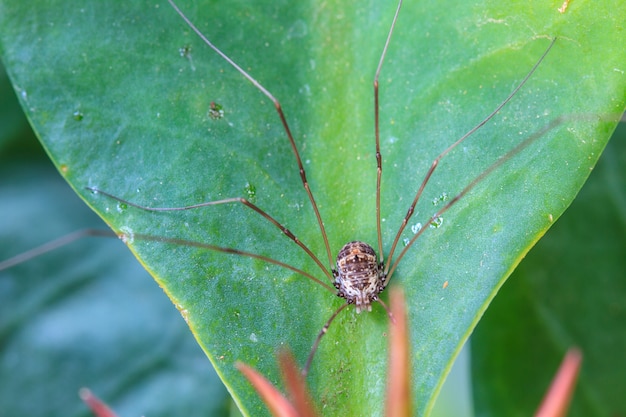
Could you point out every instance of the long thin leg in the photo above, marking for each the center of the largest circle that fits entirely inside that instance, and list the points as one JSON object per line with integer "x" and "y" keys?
{"x": 52, "y": 245}
{"x": 321, "y": 334}
{"x": 324, "y": 330}
{"x": 519, "y": 148}
{"x": 79, "y": 234}
{"x": 240, "y": 200}
{"x": 435, "y": 163}
{"x": 283, "y": 120}
{"x": 232, "y": 251}
{"x": 387, "y": 310}
{"x": 503, "y": 159}
{"x": 379, "y": 159}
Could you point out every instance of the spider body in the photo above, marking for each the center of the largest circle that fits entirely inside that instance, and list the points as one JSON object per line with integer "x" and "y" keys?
{"x": 359, "y": 277}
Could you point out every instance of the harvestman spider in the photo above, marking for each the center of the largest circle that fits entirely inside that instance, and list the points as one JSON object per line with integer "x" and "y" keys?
{"x": 358, "y": 275}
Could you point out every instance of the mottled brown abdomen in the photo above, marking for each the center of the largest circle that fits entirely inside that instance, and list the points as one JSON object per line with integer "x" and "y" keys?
{"x": 358, "y": 277}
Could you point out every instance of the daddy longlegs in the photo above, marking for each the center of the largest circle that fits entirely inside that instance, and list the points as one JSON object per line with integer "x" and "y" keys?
{"x": 358, "y": 275}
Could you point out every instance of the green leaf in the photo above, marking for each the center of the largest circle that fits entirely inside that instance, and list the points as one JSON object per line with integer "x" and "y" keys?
{"x": 120, "y": 108}
{"x": 568, "y": 292}
{"x": 86, "y": 314}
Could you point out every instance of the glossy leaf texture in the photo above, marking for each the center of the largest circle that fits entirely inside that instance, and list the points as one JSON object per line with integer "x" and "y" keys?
{"x": 569, "y": 291}
{"x": 120, "y": 95}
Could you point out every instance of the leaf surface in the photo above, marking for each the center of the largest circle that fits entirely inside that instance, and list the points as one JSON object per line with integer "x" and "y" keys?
{"x": 120, "y": 96}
